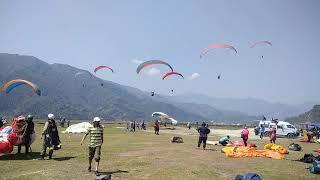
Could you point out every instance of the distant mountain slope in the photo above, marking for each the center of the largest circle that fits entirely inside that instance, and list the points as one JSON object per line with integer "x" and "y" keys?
{"x": 251, "y": 106}
{"x": 310, "y": 116}
{"x": 64, "y": 94}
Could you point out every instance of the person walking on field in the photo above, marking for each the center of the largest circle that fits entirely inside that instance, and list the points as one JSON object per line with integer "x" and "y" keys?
{"x": 203, "y": 135}
{"x": 96, "y": 141}
{"x": 51, "y": 136}
{"x": 273, "y": 135}
{"x": 245, "y": 135}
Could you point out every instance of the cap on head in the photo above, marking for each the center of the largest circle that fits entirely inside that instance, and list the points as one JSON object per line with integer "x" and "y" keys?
{"x": 51, "y": 116}
{"x": 203, "y": 124}
{"x": 96, "y": 119}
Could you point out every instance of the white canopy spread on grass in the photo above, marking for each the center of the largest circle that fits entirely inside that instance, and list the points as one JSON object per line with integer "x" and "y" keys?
{"x": 78, "y": 128}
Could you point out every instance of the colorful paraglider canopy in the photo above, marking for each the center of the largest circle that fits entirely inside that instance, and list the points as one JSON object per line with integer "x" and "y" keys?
{"x": 261, "y": 42}
{"x": 17, "y": 82}
{"x": 152, "y": 62}
{"x": 103, "y": 67}
{"x": 170, "y": 74}
{"x": 214, "y": 46}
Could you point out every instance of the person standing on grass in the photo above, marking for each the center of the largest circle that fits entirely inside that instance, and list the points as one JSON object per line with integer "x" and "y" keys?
{"x": 273, "y": 135}
{"x": 156, "y": 127}
{"x": 203, "y": 135}
{"x": 27, "y": 135}
{"x": 134, "y": 126}
{"x": 261, "y": 131}
{"x": 96, "y": 141}
{"x": 245, "y": 135}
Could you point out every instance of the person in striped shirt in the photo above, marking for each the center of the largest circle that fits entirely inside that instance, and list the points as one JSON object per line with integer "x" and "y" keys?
{"x": 96, "y": 141}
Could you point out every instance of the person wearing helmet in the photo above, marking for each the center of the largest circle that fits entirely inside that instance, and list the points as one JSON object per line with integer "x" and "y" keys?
{"x": 96, "y": 141}
{"x": 27, "y": 135}
{"x": 203, "y": 135}
{"x": 51, "y": 136}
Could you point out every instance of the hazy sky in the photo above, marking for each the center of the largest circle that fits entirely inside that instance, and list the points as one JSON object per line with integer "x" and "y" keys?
{"x": 122, "y": 33}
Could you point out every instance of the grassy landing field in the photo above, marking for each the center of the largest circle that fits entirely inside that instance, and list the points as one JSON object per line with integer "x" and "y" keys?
{"x": 143, "y": 155}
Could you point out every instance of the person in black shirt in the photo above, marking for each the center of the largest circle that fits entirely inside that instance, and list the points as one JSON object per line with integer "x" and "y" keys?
{"x": 203, "y": 135}
{"x": 27, "y": 135}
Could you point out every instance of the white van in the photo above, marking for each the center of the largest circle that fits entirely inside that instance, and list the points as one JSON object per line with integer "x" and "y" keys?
{"x": 284, "y": 129}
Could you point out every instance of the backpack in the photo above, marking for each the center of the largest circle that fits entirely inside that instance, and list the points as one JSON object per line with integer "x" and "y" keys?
{"x": 248, "y": 176}
{"x": 315, "y": 167}
{"x": 294, "y": 147}
{"x": 308, "y": 158}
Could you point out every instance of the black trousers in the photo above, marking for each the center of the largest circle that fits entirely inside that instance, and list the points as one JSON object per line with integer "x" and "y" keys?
{"x": 27, "y": 141}
{"x": 202, "y": 140}
{"x": 245, "y": 141}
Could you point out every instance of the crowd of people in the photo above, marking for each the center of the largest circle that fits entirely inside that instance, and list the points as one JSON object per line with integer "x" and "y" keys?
{"x": 132, "y": 126}
{"x": 311, "y": 132}
{"x": 51, "y": 139}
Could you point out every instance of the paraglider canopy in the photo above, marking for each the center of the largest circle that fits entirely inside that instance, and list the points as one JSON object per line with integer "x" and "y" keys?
{"x": 159, "y": 114}
{"x": 103, "y": 67}
{"x": 261, "y": 42}
{"x": 152, "y": 62}
{"x": 170, "y": 74}
{"x": 214, "y": 46}
{"x": 17, "y": 82}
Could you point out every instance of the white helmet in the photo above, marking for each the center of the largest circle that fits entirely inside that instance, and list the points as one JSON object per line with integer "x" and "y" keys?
{"x": 96, "y": 119}
{"x": 51, "y": 116}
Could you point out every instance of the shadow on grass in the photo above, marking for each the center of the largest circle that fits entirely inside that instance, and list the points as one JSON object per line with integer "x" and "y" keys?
{"x": 112, "y": 172}
{"x": 22, "y": 156}
{"x": 63, "y": 158}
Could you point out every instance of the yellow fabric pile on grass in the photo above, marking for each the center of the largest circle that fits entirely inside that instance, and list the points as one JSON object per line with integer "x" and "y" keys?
{"x": 276, "y": 148}
{"x": 241, "y": 151}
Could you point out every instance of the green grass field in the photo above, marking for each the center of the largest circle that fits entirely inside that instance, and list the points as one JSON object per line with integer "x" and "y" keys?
{"x": 143, "y": 155}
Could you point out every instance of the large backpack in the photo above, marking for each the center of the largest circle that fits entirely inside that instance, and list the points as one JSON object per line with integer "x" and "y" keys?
{"x": 308, "y": 158}
{"x": 315, "y": 167}
{"x": 294, "y": 147}
{"x": 248, "y": 176}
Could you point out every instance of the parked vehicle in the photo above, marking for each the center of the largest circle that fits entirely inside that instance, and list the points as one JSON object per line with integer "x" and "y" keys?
{"x": 284, "y": 129}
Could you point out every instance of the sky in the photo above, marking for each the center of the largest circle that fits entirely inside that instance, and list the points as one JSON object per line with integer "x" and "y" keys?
{"x": 123, "y": 33}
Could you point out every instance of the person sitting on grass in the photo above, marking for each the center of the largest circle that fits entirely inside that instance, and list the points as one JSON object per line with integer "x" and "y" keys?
{"x": 96, "y": 141}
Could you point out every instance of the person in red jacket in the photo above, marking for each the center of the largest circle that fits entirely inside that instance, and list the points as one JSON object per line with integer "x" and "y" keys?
{"x": 245, "y": 135}
{"x": 273, "y": 135}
